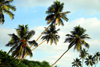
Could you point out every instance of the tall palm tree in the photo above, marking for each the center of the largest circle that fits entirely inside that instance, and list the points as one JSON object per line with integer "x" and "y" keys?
{"x": 83, "y": 54}
{"x": 76, "y": 39}
{"x": 96, "y": 57}
{"x": 19, "y": 42}
{"x": 76, "y": 62}
{"x": 51, "y": 35}
{"x": 5, "y": 7}
{"x": 89, "y": 61}
{"x": 55, "y": 14}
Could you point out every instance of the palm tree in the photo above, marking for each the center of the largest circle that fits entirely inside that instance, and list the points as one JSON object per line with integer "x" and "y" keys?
{"x": 96, "y": 57}
{"x": 5, "y": 7}
{"x": 76, "y": 62}
{"x": 55, "y": 14}
{"x": 51, "y": 35}
{"x": 19, "y": 42}
{"x": 76, "y": 39}
{"x": 89, "y": 61}
{"x": 83, "y": 54}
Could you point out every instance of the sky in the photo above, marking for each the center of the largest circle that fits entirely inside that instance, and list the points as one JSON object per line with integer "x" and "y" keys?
{"x": 85, "y": 13}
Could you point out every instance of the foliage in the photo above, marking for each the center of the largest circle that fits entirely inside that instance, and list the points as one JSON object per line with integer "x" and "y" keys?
{"x": 55, "y": 14}
{"x": 19, "y": 42}
{"x": 77, "y": 38}
{"x": 76, "y": 62}
{"x": 6, "y": 7}
{"x": 51, "y": 35}
{"x": 5, "y": 59}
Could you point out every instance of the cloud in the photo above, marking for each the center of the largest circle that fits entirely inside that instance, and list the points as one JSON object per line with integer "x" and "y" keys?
{"x": 52, "y": 52}
{"x": 90, "y": 24}
{"x": 89, "y": 6}
{"x": 4, "y": 37}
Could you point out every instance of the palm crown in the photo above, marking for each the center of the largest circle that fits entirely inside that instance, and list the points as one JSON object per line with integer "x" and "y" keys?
{"x": 76, "y": 62}
{"x": 90, "y": 60}
{"x": 51, "y": 35}
{"x": 19, "y": 42}
{"x": 77, "y": 37}
{"x": 56, "y": 14}
{"x": 5, "y": 7}
{"x": 96, "y": 57}
{"x": 83, "y": 53}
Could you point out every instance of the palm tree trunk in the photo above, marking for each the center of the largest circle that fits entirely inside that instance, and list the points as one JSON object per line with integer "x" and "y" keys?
{"x": 31, "y": 50}
{"x": 59, "y": 58}
{"x": 41, "y": 34}
{"x": 82, "y": 61}
{"x": 36, "y": 41}
{"x": 36, "y": 47}
{"x": 11, "y": 61}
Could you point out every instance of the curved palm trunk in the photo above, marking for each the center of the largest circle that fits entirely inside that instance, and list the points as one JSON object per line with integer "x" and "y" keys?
{"x": 59, "y": 58}
{"x": 31, "y": 50}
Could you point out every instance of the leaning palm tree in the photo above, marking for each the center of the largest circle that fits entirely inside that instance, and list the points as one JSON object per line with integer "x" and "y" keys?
{"x": 50, "y": 35}
{"x": 76, "y": 62}
{"x": 83, "y": 54}
{"x": 55, "y": 14}
{"x": 76, "y": 39}
{"x": 5, "y": 7}
{"x": 90, "y": 61}
{"x": 19, "y": 42}
{"x": 96, "y": 57}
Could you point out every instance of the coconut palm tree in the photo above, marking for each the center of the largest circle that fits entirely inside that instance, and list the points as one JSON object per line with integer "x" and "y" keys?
{"x": 5, "y": 7}
{"x": 55, "y": 14}
{"x": 19, "y": 42}
{"x": 76, "y": 62}
{"x": 76, "y": 39}
{"x": 96, "y": 57}
{"x": 51, "y": 35}
{"x": 90, "y": 61}
{"x": 83, "y": 54}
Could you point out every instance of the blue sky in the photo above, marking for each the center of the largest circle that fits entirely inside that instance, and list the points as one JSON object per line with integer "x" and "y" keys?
{"x": 85, "y": 13}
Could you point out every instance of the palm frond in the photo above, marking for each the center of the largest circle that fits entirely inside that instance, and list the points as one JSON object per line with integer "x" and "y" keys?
{"x": 28, "y": 51}
{"x": 33, "y": 42}
{"x": 9, "y": 13}
{"x": 13, "y": 8}
{"x": 13, "y": 48}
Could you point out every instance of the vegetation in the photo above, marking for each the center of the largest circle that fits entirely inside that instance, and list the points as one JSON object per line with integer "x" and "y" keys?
{"x": 21, "y": 46}
{"x": 76, "y": 39}
{"x": 5, "y": 7}
{"x": 5, "y": 59}
{"x": 19, "y": 42}
{"x": 90, "y": 60}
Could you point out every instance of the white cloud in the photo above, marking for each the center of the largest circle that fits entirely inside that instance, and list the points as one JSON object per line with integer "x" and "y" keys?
{"x": 4, "y": 37}
{"x": 91, "y": 25}
{"x": 89, "y": 6}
